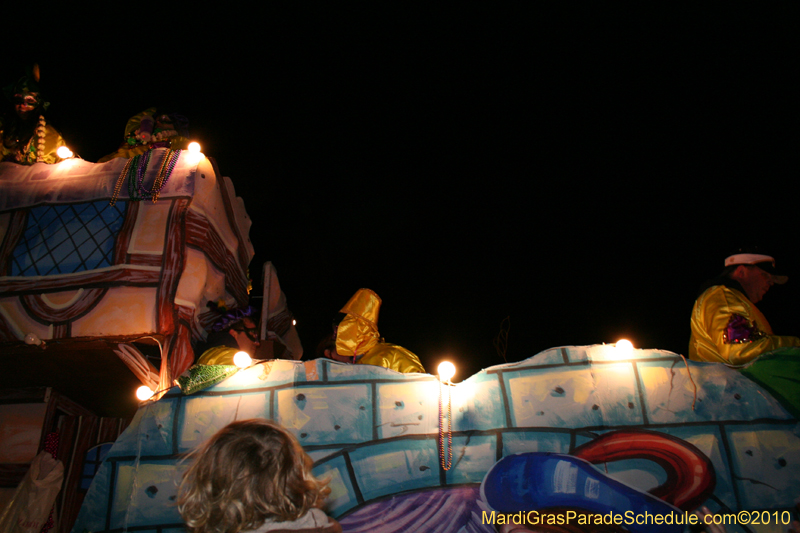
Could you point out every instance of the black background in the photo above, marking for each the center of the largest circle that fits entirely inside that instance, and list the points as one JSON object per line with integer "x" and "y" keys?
{"x": 581, "y": 169}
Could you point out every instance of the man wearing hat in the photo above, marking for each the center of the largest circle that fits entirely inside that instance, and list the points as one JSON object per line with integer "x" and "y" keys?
{"x": 726, "y": 325}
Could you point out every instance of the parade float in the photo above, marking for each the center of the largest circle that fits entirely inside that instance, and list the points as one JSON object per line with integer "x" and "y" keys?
{"x": 95, "y": 277}
{"x": 106, "y": 275}
{"x": 106, "y": 271}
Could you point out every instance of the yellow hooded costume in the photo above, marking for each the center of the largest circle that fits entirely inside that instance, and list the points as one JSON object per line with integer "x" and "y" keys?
{"x": 357, "y": 336}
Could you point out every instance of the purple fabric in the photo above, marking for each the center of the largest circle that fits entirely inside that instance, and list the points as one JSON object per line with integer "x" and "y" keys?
{"x": 232, "y": 317}
{"x": 740, "y": 330}
{"x": 433, "y": 511}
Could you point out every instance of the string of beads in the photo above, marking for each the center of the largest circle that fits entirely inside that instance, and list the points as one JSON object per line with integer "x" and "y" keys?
{"x": 135, "y": 171}
{"x": 446, "y": 464}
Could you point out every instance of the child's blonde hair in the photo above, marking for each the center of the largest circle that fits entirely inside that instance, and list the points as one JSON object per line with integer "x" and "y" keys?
{"x": 248, "y": 472}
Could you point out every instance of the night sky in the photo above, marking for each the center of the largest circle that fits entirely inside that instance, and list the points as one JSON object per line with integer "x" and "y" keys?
{"x": 579, "y": 170}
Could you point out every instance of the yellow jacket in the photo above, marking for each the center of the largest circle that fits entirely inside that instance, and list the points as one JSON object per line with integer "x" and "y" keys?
{"x": 357, "y": 336}
{"x": 728, "y": 328}
{"x": 392, "y": 357}
{"x": 218, "y": 355}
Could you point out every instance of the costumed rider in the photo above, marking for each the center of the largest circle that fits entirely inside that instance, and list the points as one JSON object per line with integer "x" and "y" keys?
{"x": 727, "y": 327}
{"x": 236, "y": 331}
{"x": 358, "y": 340}
{"x": 26, "y": 136}
{"x": 150, "y": 129}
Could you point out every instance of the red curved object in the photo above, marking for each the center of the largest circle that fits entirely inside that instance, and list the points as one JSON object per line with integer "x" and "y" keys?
{"x": 690, "y": 474}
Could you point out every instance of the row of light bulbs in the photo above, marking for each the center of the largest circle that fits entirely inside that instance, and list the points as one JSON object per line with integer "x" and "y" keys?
{"x": 65, "y": 153}
{"x": 446, "y": 369}
{"x": 240, "y": 359}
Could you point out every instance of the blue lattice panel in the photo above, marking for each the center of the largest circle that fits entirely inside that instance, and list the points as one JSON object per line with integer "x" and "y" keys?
{"x": 80, "y": 258}
{"x": 67, "y": 238}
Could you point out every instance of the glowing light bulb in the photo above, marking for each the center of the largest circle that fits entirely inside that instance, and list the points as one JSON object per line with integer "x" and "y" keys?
{"x": 294, "y": 322}
{"x": 144, "y": 393}
{"x": 446, "y": 370}
{"x": 242, "y": 359}
{"x": 32, "y": 338}
{"x": 624, "y": 346}
{"x": 193, "y": 153}
{"x": 64, "y": 153}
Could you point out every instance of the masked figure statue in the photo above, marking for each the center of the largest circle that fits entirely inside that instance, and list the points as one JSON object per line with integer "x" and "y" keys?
{"x": 27, "y": 138}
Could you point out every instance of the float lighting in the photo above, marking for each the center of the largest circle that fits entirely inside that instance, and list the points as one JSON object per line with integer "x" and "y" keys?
{"x": 144, "y": 393}
{"x": 446, "y": 370}
{"x": 242, "y": 359}
{"x": 33, "y": 339}
{"x": 193, "y": 153}
{"x": 625, "y": 347}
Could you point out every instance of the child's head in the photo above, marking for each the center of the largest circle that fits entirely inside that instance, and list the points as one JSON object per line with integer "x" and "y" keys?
{"x": 248, "y": 472}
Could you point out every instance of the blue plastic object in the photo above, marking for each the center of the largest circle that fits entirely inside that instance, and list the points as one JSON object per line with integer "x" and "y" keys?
{"x": 540, "y": 481}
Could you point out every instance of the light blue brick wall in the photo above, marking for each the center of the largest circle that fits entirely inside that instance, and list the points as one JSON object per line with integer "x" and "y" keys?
{"x": 375, "y": 432}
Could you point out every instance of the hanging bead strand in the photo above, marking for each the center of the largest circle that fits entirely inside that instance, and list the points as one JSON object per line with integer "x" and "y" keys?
{"x": 141, "y": 170}
{"x": 41, "y": 130}
{"x": 170, "y": 160}
{"x": 136, "y": 172}
{"x": 446, "y": 465}
{"x": 133, "y": 193}
{"x": 120, "y": 181}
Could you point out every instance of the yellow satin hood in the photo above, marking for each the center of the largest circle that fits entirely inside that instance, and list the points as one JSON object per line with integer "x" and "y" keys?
{"x": 364, "y": 304}
{"x": 358, "y": 331}
{"x": 357, "y": 335}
